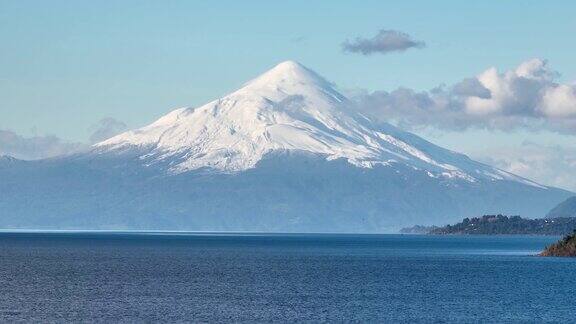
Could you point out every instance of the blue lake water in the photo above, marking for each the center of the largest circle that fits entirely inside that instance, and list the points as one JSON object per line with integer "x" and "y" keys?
{"x": 170, "y": 277}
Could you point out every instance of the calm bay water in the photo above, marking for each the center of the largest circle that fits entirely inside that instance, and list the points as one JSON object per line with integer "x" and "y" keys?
{"x": 135, "y": 277}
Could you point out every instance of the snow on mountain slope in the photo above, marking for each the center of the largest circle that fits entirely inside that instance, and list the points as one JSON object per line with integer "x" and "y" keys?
{"x": 288, "y": 108}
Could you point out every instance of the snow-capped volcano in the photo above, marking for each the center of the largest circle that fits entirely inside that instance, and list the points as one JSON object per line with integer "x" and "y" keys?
{"x": 289, "y": 107}
{"x": 285, "y": 153}
{"x": 286, "y": 108}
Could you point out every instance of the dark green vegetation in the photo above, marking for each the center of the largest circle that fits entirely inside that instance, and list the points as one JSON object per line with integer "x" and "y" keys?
{"x": 566, "y": 247}
{"x": 566, "y": 208}
{"x": 500, "y": 224}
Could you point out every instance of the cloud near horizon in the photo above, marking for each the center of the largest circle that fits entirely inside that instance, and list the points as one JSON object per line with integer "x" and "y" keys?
{"x": 48, "y": 146}
{"x": 106, "y": 128}
{"x": 386, "y": 41}
{"x": 527, "y": 97}
{"x": 35, "y": 147}
{"x": 552, "y": 165}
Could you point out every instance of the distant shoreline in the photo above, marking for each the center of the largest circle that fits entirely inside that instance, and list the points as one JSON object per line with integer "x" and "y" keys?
{"x": 499, "y": 225}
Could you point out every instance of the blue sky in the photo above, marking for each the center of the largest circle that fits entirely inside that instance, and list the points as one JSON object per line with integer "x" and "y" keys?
{"x": 65, "y": 65}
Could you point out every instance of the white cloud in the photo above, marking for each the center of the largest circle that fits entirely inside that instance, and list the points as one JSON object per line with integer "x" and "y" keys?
{"x": 37, "y": 147}
{"x": 41, "y": 147}
{"x": 559, "y": 102}
{"x": 525, "y": 97}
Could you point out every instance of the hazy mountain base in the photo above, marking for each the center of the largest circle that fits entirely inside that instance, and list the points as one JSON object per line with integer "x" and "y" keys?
{"x": 567, "y": 208}
{"x": 286, "y": 192}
